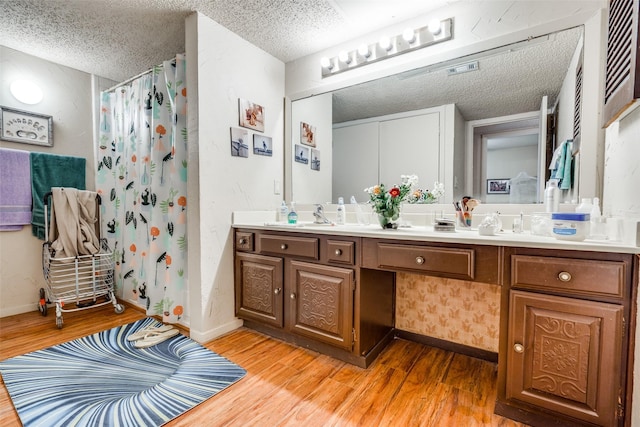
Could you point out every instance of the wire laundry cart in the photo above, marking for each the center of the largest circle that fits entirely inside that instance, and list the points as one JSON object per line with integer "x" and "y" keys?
{"x": 77, "y": 282}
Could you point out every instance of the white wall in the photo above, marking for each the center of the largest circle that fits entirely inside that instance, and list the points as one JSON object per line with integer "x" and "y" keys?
{"x": 313, "y": 186}
{"x": 67, "y": 97}
{"x": 222, "y": 67}
{"x": 621, "y": 183}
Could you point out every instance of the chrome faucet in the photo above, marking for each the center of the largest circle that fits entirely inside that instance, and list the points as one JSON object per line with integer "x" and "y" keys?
{"x": 319, "y": 215}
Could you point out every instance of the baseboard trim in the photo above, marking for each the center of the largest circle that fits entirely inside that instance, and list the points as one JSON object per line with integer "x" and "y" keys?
{"x": 19, "y": 309}
{"x": 478, "y": 353}
{"x": 211, "y": 334}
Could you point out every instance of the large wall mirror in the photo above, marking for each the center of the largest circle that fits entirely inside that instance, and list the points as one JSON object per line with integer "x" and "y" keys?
{"x": 430, "y": 121}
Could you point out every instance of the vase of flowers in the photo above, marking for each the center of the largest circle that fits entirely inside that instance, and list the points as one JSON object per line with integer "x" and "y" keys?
{"x": 386, "y": 202}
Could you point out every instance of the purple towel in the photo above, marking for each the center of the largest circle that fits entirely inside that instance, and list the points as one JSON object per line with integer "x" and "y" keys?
{"x": 15, "y": 189}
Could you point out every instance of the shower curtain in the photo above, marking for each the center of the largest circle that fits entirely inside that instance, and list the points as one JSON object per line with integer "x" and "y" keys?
{"x": 142, "y": 179}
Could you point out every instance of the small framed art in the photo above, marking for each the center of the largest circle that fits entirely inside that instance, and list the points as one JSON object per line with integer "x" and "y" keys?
{"x": 239, "y": 142}
{"x": 302, "y": 154}
{"x": 307, "y": 134}
{"x": 251, "y": 115}
{"x": 26, "y": 127}
{"x": 498, "y": 186}
{"x": 262, "y": 145}
{"x": 315, "y": 159}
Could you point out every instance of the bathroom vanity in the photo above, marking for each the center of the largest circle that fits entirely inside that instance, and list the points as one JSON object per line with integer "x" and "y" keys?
{"x": 567, "y": 309}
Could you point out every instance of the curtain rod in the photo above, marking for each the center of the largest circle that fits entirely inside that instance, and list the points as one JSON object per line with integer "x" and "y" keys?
{"x": 129, "y": 80}
{"x": 173, "y": 60}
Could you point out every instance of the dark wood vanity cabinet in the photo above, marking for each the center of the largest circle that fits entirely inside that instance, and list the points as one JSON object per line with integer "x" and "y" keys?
{"x": 309, "y": 290}
{"x": 321, "y": 303}
{"x": 567, "y": 317}
{"x": 565, "y": 337}
{"x": 259, "y": 288}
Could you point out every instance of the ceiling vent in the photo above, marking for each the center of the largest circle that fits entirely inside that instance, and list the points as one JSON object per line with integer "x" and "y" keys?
{"x": 463, "y": 68}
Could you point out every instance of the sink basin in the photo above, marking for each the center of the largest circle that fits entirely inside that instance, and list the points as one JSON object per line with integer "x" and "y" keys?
{"x": 314, "y": 224}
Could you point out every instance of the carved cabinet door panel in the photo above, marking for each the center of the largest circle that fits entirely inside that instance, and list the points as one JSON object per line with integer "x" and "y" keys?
{"x": 321, "y": 303}
{"x": 565, "y": 355}
{"x": 259, "y": 290}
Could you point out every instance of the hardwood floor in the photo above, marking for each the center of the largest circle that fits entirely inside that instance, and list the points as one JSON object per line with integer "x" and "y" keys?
{"x": 410, "y": 384}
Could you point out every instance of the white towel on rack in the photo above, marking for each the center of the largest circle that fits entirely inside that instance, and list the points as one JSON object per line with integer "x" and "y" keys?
{"x": 74, "y": 215}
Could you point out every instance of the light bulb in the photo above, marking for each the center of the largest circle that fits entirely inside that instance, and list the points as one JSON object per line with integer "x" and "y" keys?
{"x": 26, "y": 92}
{"x": 325, "y": 62}
{"x": 343, "y": 56}
{"x": 409, "y": 35}
{"x": 434, "y": 27}
{"x": 363, "y": 50}
{"x": 385, "y": 43}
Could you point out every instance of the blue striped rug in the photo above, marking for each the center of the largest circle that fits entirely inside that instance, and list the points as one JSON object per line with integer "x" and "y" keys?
{"x": 103, "y": 380}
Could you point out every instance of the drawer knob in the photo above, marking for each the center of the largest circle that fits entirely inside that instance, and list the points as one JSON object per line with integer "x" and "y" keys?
{"x": 518, "y": 348}
{"x": 283, "y": 246}
{"x": 277, "y": 291}
{"x": 292, "y": 296}
{"x": 419, "y": 260}
{"x": 243, "y": 241}
{"x": 564, "y": 276}
{"x": 338, "y": 252}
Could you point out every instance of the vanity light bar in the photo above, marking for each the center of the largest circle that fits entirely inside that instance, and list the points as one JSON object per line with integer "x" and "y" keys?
{"x": 388, "y": 47}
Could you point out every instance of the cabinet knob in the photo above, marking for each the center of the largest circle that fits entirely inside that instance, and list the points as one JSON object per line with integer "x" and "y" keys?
{"x": 419, "y": 260}
{"x": 292, "y": 296}
{"x": 283, "y": 246}
{"x": 242, "y": 241}
{"x": 518, "y": 348}
{"x": 564, "y": 276}
{"x": 338, "y": 252}
{"x": 277, "y": 291}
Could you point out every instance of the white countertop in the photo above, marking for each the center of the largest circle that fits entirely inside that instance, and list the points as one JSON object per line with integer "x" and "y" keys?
{"x": 427, "y": 234}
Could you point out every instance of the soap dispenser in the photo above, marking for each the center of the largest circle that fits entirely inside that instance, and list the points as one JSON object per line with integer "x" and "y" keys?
{"x": 341, "y": 213}
{"x": 284, "y": 212}
{"x": 293, "y": 215}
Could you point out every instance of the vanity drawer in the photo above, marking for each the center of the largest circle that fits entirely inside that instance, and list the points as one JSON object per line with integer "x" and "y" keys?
{"x": 341, "y": 251}
{"x": 244, "y": 241}
{"x": 304, "y": 247}
{"x": 450, "y": 262}
{"x": 567, "y": 275}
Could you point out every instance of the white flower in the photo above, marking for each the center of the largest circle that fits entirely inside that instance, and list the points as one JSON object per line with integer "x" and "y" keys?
{"x": 438, "y": 190}
{"x": 410, "y": 180}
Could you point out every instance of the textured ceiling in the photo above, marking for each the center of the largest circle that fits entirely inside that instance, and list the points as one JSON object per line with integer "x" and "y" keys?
{"x": 118, "y": 39}
{"x": 508, "y": 82}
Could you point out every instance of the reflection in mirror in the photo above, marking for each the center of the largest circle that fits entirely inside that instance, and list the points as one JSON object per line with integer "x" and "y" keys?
{"x": 424, "y": 115}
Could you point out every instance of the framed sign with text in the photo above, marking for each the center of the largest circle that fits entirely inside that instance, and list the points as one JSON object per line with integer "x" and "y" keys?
{"x": 26, "y": 127}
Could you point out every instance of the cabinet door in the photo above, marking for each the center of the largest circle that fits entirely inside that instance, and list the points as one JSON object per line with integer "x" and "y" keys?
{"x": 321, "y": 303}
{"x": 258, "y": 285}
{"x": 565, "y": 355}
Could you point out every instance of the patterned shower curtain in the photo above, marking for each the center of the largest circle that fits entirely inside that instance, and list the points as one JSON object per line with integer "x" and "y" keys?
{"x": 142, "y": 178}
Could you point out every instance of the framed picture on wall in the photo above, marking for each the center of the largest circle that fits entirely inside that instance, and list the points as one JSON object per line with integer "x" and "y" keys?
{"x": 239, "y": 142}
{"x": 26, "y": 127}
{"x": 251, "y": 115}
{"x": 315, "y": 159}
{"x": 307, "y": 134}
{"x": 498, "y": 186}
{"x": 262, "y": 145}
{"x": 301, "y": 154}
